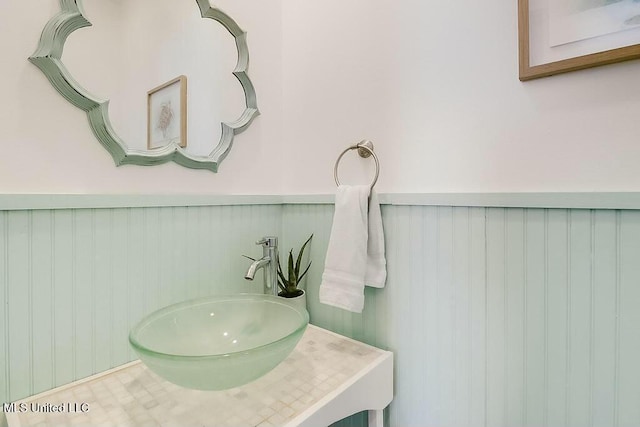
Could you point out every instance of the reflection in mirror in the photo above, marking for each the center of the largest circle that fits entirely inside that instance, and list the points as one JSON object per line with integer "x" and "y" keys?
{"x": 157, "y": 80}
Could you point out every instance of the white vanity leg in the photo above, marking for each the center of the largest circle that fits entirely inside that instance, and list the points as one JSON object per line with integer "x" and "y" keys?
{"x": 376, "y": 418}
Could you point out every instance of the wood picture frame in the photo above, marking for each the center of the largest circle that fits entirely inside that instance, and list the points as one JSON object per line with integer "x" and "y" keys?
{"x": 167, "y": 114}
{"x": 529, "y": 69}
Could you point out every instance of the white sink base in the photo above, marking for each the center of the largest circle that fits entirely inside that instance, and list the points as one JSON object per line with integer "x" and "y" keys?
{"x": 326, "y": 378}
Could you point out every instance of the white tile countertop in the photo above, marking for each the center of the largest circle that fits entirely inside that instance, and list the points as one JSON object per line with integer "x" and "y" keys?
{"x": 326, "y": 378}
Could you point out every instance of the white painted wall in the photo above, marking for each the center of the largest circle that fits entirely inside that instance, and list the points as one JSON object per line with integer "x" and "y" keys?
{"x": 47, "y": 144}
{"x": 435, "y": 86}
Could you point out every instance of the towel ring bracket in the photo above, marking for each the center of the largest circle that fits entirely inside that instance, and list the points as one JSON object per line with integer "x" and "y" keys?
{"x": 365, "y": 149}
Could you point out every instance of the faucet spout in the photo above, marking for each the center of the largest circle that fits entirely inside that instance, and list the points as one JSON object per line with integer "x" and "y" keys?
{"x": 255, "y": 266}
{"x": 268, "y": 263}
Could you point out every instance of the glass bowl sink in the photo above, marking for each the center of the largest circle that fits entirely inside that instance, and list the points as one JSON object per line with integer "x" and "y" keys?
{"x": 218, "y": 342}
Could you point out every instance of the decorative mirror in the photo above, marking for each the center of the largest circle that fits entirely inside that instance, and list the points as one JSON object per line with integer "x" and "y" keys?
{"x": 177, "y": 85}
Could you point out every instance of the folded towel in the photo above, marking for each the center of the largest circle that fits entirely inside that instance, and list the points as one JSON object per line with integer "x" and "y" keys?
{"x": 356, "y": 229}
{"x": 376, "y": 262}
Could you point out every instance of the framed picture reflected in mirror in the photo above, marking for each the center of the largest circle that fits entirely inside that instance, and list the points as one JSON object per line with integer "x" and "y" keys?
{"x": 167, "y": 114}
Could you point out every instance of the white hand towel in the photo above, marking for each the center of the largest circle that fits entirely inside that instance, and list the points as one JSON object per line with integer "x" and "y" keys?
{"x": 346, "y": 262}
{"x": 356, "y": 230}
{"x": 376, "y": 262}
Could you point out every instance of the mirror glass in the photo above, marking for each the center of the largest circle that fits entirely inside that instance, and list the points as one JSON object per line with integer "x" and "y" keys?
{"x": 164, "y": 74}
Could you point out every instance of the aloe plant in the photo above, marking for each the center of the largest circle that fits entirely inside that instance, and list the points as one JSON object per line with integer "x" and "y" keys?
{"x": 289, "y": 286}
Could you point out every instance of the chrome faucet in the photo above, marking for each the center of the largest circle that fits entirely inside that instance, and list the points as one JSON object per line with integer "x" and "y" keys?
{"x": 268, "y": 262}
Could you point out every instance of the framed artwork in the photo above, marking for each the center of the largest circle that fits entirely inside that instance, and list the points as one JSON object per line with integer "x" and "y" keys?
{"x": 558, "y": 36}
{"x": 167, "y": 114}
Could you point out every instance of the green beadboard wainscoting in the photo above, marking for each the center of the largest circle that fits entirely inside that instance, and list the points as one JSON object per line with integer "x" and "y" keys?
{"x": 498, "y": 316}
{"x": 74, "y": 281}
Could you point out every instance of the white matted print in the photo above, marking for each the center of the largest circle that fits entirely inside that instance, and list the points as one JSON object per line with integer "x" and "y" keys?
{"x": 167, "y": 114}
{"x": 574, "y": 20}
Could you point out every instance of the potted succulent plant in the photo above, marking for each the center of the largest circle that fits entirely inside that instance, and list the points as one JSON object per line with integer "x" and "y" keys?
{"x": 290, "y": 284}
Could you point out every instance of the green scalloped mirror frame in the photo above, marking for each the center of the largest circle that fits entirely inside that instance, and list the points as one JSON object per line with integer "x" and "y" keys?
{"x": 47, "y": 58}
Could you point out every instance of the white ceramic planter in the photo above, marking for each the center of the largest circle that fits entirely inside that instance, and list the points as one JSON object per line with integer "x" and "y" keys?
{"x": 299, "y": 301}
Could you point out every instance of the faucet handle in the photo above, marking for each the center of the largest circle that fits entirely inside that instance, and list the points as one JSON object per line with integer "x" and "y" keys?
{"x": 270, "y": 242}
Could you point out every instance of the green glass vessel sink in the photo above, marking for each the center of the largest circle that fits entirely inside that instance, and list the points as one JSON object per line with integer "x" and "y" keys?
{"x": 219, "y": 342}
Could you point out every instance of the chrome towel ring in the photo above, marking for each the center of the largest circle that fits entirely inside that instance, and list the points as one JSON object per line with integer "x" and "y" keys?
{"x": 365, "y": 149}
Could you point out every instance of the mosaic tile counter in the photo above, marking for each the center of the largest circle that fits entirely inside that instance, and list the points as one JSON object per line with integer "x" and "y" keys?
{"x": 326, "y": 378}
